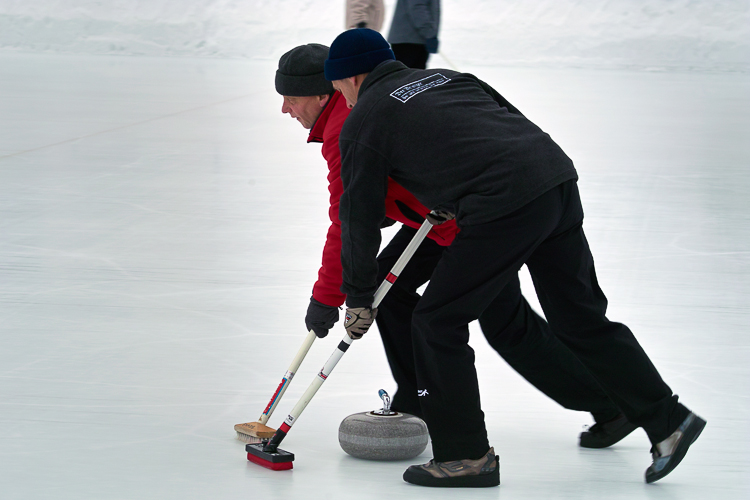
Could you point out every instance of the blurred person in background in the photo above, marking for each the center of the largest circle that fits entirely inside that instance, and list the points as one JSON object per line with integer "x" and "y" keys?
{"x": 365, "y": 14}
{"x": 414, "y": 31}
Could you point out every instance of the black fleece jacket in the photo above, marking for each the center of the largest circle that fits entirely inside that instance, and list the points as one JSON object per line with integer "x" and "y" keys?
{"x": 448, "y": 138}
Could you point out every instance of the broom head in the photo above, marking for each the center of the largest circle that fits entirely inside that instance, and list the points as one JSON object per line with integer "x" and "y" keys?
{"x": 253, "y": 432}
{"x": 278, "y": 460}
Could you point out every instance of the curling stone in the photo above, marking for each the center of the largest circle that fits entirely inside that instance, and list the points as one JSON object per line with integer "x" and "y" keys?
{"x": 383, "y": 434}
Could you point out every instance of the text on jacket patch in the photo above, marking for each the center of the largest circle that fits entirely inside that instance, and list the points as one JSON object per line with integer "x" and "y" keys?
{"x": 422, "y": 392}
{"x": 406, "y": 92}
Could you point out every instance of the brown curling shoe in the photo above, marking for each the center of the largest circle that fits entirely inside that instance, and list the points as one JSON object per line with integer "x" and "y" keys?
{"x": 480, "y": 473}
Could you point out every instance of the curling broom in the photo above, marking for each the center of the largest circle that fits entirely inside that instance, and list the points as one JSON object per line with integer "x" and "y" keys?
{"x": 255, "y": 432}
{"x": 267, "y": 453}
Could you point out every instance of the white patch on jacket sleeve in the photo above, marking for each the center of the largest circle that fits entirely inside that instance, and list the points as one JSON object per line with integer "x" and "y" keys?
{"x": 409, "y": 90}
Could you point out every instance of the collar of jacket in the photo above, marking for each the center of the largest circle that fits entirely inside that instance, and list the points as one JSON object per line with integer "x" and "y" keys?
{"x": 381, "y": 70}
{"x": 316, "y": 132}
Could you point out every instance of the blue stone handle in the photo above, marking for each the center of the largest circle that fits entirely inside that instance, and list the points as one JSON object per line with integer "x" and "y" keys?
{"x": 386, "y": 400}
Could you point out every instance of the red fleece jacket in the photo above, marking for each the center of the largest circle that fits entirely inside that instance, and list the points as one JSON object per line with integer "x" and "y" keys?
{"x": 400, "y": 204}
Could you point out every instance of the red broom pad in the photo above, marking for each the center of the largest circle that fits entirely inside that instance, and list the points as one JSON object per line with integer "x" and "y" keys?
{"x": 269, "y": 465}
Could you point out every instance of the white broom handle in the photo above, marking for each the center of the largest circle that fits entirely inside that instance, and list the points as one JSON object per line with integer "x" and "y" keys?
{"x": 347, "y": 341}
{"x": 288, "y": 376}
{"x": 402, "y": 261}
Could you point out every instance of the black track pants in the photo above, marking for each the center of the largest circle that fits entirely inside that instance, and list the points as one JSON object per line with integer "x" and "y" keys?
{"x": 547, "y": 235}
{"x": 511, "y": 327}
{"x": 413, "y": 55}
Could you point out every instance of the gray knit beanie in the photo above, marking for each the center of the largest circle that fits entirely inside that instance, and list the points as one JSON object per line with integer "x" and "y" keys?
{"x": 300, "y": 71}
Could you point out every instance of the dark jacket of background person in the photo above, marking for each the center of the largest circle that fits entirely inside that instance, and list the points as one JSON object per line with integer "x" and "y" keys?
{"x": 415, "y": 21}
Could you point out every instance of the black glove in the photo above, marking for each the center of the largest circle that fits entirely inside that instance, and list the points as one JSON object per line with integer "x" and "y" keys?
{"x": 320, "y": 318}
{"x": 431, "y": 44}
{"x": 358, "y": 320}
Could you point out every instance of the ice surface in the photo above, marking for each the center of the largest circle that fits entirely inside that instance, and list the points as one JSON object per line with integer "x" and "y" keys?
{"x": 686, "y": 34}
{"x": 161, "y": 225}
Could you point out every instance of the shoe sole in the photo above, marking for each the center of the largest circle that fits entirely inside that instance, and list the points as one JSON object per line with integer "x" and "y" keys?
{"x": 615, "y": 437}
{"x": 690, "y": 435}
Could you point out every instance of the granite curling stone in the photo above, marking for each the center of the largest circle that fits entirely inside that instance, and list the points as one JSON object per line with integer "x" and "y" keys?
{"x": 383, "y": 434}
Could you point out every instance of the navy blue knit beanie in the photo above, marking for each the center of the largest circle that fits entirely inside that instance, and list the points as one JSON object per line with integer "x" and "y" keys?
{"x": 356, "y": 51}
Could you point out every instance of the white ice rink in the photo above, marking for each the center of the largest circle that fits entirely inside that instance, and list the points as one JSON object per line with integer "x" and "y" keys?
{"x": 161, "y": 225}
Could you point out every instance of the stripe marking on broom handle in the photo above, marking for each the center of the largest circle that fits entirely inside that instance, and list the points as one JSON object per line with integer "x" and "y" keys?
{"x": 287, "y": 378}
{"x": 347, "y": 341}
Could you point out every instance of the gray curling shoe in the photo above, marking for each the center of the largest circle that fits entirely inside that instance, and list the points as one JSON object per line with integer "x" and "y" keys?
{"x": 481, "y": 473}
